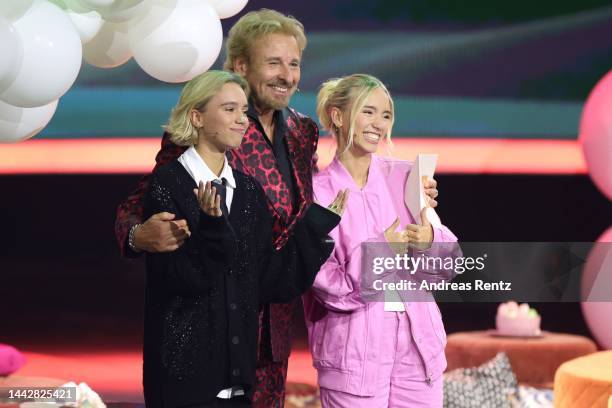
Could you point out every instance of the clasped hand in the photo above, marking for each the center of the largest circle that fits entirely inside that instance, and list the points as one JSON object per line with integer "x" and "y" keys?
{"x": 421, "y": 236}
{"x": 209, "y": 199}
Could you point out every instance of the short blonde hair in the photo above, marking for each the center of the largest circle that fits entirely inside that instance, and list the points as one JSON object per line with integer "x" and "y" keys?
{"x": 255, "y": 25}
{"x": 195, "y": 95}
{"x": 348, "y": 94}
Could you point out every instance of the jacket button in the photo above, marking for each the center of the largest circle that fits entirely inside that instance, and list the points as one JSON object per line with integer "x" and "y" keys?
{"x": 235, "y": 372}
{"x": 235, "y": 340}
{"x": 233, "y": 306}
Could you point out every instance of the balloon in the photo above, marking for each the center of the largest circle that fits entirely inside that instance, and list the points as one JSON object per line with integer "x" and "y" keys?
{"x": 177, "y": 39}
{"x": 124, "y": 10}
{"x": 12, "y": 53}
{"x": 51, "y": 57}
{"x": 14, "y": 9}
{"x": 86, "y": 23}
{"x": 110, "y": 47}
{"x": 94, "y": 4}
{"x": 18, "y": 124}
{"x": 597, "y": 287}
{"x": 227, "y": 8}
{"x": 77, "y": 6}
{"x": 596, "y": 134}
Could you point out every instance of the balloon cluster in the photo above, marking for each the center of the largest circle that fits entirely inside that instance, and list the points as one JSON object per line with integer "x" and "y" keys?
{"x": 44, "y": 41}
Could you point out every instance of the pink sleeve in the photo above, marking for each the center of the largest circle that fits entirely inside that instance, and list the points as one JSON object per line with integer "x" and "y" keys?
{"x": 443, "y": 234}
{"x": 444, "y": 245}
{"x": 337, "y": 285}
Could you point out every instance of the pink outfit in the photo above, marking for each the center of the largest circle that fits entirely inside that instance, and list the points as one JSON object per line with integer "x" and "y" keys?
{"x": 353, "y": 347}
{"x": 399, "y": 362}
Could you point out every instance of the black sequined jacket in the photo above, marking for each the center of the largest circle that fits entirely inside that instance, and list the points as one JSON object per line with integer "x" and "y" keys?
{"x": 202, "y": 300}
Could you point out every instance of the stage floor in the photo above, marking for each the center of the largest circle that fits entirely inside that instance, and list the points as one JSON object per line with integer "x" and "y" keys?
{"x": 116, "y": 373}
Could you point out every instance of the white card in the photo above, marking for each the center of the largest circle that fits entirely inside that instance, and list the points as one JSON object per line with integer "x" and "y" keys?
{"x": 414, "y": 196}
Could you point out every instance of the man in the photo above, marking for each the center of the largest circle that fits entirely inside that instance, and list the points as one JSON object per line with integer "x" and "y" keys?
{"x": 278, "y": 150}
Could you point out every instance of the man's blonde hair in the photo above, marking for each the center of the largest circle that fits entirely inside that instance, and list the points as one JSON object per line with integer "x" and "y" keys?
{"x": 195, "y": 95}
{"x": 255, "y": 25}
{"x": 348, "y": 94}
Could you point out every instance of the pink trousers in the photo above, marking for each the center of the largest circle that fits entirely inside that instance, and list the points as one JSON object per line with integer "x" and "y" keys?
{"x": 400, "y": 383}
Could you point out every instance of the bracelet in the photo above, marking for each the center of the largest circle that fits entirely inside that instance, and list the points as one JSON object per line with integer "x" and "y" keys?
{"x": 131, "y": 237}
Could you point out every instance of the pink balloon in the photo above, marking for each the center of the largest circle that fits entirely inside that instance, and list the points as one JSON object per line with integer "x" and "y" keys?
{"x": 596, "y": 134}
{"x": 597, "y": 286}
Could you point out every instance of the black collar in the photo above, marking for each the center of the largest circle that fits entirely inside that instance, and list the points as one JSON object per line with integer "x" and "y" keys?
{"x": 279, "y": 117}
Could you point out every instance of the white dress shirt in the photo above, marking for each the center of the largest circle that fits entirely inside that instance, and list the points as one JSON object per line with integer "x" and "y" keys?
{"x": 199, "y": 171}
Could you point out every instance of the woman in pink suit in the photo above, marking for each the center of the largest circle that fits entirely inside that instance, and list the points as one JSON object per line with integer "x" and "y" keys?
{"x": 370, "y": 354}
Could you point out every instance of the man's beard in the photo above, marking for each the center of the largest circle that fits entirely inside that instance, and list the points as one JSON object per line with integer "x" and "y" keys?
{"x": 265, "y": 102}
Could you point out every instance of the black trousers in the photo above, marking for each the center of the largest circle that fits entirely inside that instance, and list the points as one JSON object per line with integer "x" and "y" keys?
{"x": 236, "y": 402}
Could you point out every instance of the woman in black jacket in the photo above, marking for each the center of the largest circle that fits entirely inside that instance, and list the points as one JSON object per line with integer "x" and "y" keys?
{"x": 202, "y": 300}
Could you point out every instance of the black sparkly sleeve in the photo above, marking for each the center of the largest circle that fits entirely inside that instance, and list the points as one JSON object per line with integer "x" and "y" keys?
{"x": 289, "y": 272}
{"x": 130, "y": 212}
{"x": 189, "y": 270}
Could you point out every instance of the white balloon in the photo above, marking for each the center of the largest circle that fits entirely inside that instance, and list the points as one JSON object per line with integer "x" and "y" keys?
{"x": 94, "y": 4}
{"x": 12, "y": 53}
{"x": 86, "y": 23}
{"x": 51, "y": 57}
{"x": 18, "y": 124}
{"x": 14, "y": 9}
{"x": 77, "y": 6}
{"x": 176, "y": 39}
{"x": 110, "y": 47}
{"x": 124, "y": 10}
{"x": 227, "y": 8}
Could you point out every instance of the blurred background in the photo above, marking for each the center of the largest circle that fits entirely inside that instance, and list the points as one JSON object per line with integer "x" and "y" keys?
{"x": 460, "y": 72}
{"x": 467, "y": 69}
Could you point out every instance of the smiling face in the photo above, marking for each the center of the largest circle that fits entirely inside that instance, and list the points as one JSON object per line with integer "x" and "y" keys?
{"x": 272, "y": 71}
{"x": 372, "y": 123}
{"x": 222, "y": 122}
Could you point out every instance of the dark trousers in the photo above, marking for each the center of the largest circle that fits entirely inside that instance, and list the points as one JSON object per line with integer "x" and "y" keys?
{"x": 236, "y": 402}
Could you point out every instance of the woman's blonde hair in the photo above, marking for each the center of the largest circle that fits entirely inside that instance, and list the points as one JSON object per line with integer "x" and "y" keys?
{"x": 195, "y": 95}
{"x": 348, "y": 94}
{"x": 255, "y": 25}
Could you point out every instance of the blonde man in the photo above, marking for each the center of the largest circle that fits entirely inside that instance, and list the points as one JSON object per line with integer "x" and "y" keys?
{"x": 278, "y": 150}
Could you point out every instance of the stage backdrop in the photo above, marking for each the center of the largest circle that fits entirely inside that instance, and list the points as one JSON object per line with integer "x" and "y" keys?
{"x": 474, "y": 69}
